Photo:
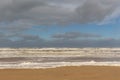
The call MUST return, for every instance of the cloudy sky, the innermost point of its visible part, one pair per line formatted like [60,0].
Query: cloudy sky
[59,23]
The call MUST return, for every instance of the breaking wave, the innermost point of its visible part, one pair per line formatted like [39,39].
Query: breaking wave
[33,65]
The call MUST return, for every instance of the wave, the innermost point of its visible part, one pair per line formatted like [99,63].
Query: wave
[56,61]
[33,65]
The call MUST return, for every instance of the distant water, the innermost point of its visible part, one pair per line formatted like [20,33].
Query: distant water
[56,61]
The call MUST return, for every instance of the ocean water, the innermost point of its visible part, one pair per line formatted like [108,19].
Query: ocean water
[55,61]
[51,58]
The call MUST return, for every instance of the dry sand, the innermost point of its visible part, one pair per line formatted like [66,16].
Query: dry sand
[62,73]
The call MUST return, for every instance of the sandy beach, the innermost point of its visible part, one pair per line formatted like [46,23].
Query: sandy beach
[62,73]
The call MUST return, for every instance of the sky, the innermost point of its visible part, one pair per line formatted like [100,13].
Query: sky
[59,23]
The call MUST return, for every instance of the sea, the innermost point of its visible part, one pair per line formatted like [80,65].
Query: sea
[35,60]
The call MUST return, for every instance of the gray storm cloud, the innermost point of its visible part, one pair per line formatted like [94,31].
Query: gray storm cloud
[93,11]
[57,11]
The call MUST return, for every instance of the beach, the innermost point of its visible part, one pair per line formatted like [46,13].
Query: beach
[63,73]
[60,64]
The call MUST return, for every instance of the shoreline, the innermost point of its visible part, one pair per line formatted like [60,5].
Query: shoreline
[29,65]
[57,67]
[63,73]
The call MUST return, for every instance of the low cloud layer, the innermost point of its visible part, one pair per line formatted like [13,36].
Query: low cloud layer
[69,39]
[74,35]
[41,43]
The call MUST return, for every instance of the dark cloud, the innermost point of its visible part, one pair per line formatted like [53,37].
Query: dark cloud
[21,40]
[93,11]
[37,11]
[74,35]
[15,8]
[29,37]
[73,40]
[57,12]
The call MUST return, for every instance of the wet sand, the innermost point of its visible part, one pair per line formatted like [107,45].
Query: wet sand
[62,73]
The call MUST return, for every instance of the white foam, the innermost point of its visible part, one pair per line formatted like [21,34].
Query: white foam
[31,65]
